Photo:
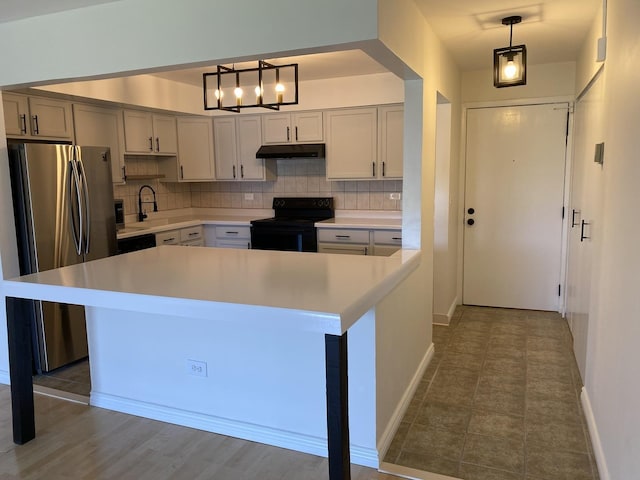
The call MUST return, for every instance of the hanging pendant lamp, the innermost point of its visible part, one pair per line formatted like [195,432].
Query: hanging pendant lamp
[510,63]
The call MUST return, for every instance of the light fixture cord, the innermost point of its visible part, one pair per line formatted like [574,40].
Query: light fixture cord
[510,35]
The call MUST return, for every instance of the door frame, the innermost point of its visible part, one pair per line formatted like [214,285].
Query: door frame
[567,182]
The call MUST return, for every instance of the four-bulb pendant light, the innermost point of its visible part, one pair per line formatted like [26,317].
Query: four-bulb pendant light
[272,85]
[510,63]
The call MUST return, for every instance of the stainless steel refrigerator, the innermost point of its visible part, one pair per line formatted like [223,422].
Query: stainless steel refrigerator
[64,211]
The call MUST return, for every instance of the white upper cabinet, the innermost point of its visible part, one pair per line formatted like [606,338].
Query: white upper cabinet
[390,139]
[195,149]
[352,145]
[236,140]
[299,127]
[149,133]
[37,117]
[102,127]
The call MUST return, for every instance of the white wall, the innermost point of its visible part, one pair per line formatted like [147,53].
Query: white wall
[548,80]
[611,387]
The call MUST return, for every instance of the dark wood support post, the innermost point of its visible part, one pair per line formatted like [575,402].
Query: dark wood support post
[337,407]
[20,371]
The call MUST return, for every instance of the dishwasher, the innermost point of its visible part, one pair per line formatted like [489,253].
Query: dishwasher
[139,242]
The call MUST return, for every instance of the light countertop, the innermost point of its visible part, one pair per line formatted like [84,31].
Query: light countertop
[310,291]
[164,224]
[362,222]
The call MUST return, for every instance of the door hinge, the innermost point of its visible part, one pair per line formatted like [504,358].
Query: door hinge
[559,290]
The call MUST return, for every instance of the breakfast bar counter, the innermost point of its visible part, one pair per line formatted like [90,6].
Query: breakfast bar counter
[259,318]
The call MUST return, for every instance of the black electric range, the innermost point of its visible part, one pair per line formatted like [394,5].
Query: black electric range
[293,226]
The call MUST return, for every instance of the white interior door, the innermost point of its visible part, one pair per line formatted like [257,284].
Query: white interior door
[515,164]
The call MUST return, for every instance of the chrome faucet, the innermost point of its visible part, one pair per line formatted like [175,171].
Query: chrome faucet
[141,214]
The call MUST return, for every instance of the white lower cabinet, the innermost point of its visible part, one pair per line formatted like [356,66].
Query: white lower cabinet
[189,236]
[347,241]
[228,236]
[359,241]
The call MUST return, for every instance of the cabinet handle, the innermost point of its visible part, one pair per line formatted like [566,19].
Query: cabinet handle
[383,172]
[193,234]
[231,233]
[23,119]
[36,128]
[181,172]
[234,171]
[151,144]
[573,217]
[288,137]
[124,173]
[157,144]
[343,236]
[396,238]
[583,237]
[366,250]
[373,169]
[172,239]
[296,134]
[241,171]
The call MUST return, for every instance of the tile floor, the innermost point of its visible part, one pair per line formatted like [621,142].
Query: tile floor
[72,378]
[499,401]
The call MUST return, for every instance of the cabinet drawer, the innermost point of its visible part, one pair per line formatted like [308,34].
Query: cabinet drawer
[238,244]
[387,237]
[194,243]
[343,249]
[170,237]
[233,231]
[343,235]
[191,233]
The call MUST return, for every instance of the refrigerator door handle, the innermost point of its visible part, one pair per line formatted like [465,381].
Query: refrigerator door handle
[73,185]
[85,212]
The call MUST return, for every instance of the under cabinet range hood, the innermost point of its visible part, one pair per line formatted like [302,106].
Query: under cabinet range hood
[300,150]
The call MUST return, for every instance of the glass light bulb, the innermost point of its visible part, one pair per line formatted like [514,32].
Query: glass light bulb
[258,91]
[219,94]
[279,92]
[279,88]
[510,70]
[237,92]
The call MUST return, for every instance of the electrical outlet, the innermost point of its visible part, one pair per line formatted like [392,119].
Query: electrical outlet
[248,196]
[197,368]
[395,196]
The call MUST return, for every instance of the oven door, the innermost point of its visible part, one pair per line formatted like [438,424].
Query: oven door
[294,239]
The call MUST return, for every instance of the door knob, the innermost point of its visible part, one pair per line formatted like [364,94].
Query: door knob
[471,211]
[471,221]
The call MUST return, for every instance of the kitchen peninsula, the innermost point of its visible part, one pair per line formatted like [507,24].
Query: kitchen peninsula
[255,323]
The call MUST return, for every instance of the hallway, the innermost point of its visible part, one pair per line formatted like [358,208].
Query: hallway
[500,400]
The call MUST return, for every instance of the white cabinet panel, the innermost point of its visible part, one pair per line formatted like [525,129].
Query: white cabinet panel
[391,132]
[301,127]
[16,113]
[276,128]
[249,140]
[165,134]
[351,149]
[149,133]
[103,127]
[37,117]
[195,149]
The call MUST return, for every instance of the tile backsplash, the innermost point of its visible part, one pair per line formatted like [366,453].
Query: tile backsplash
[298,177]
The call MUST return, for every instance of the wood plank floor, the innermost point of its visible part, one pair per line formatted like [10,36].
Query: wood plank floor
[80,442]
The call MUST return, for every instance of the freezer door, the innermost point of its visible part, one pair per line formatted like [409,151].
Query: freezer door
[101,221]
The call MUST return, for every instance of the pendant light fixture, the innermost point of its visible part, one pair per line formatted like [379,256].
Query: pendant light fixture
[267,86]
[510,63]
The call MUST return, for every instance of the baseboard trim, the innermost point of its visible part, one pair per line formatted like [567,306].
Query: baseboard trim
[442,319]
[411,473]
[4,377]
[401,408]
[367,457]
[595,436]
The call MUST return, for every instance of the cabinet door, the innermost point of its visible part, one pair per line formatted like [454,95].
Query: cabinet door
[276,128]
[249,140]
[195,148]
[308,127]
[165,135]
[138,132]
[351,148]
[391,123]
[102,127]
[50,119]
[224,135]
[15,115]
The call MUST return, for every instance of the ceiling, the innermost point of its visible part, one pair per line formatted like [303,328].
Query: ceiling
[553,31]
